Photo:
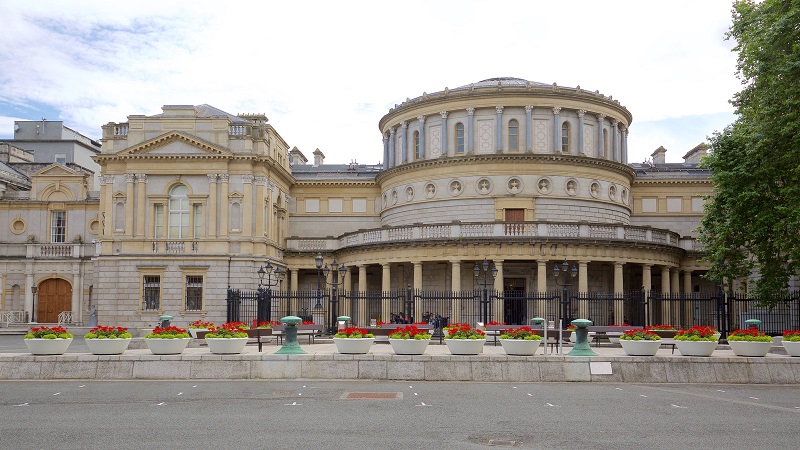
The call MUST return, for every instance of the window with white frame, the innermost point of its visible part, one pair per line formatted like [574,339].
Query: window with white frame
[198,220]
[460,138]
[179,212]
[513,135]
[565,137]
[58,226]
[158,216]
[194,292]
[151,292]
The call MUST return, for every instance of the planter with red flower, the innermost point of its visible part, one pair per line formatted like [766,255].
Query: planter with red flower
[409,340]
[167,341]
[48,341]
[696,341]
[461,339]
[791,342]
[664,331]
[749,342]
[640,342]
[104,340]
[199,325]
[353,340]
[520,341]
[228,338]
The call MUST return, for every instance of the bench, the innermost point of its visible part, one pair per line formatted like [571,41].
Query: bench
[308,330]
[553,337]
[604,332]
[261,335]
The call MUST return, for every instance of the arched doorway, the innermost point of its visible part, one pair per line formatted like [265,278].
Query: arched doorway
[54,296]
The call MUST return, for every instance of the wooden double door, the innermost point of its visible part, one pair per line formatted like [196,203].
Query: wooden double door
[54,296]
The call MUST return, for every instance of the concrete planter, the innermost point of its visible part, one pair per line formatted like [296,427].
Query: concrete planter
[465,346]
[107,346]
[353,346]
[226,346]
[167,346]
[696,348]
[792,348]
[409,346]
[39,346]
[520,347]
[640,348]
[750,348]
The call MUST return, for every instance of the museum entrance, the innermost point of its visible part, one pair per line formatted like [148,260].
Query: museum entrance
[514,310]
[54,296]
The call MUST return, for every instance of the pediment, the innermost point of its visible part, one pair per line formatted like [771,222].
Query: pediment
[56,170]
[175,143]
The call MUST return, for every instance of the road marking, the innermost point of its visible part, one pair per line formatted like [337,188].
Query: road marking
[299,393]
[180,393]
[23,404]
[160,404]
[83,385]
[422,404]
[530,395]
[720,390]
[754,398]
[642,395]
[410,387]
[550,404]
[194,386]
[676,406]
[513,387]
[415,393]
[59,393]
[293,404]
[619,389]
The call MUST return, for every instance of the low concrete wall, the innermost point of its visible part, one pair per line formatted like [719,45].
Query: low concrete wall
[669,369]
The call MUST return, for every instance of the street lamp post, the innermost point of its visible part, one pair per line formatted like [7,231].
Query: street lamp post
[565,269]
[264,313]
[482,273]
[338,280]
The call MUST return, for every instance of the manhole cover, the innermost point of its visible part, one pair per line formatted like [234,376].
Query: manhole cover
[501,442]
[373,395]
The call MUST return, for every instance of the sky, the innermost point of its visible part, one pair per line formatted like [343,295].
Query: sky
[325,72]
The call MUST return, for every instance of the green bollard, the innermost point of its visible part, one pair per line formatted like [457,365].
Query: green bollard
[752,323]
[582,347]
[290,344]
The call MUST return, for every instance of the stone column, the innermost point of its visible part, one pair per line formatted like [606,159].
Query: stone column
[499,306]
[385,151]
[619,305]
[261,183]
[581,143]
[107,203]
[445,148]
[77,287]
[141,196]
[625,146]
[345,308]
[675,283]
[363,320]
[386,286]
[614,146]
[647,286]
[391,148]
[666,312]
[687,281]
[212,206]
[556,130]
[470,137]
[601,151]
[404,142]
[455,286]
[27,290]
[529,128]
[583,286]
[247,206]
[418,311]
[129,180]
[541,287]
[421,130]
[499,128]
[665,280]
[224,203]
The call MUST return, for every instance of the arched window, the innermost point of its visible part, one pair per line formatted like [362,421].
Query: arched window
[416,145]
[565,137]
[605,144]
[460,138]
[179,212]
[513,135]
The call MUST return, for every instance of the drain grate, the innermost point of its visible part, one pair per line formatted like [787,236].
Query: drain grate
[372,396]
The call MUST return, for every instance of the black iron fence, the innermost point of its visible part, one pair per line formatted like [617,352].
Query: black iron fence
[681,310]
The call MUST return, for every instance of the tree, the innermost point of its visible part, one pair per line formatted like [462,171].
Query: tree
[752,222]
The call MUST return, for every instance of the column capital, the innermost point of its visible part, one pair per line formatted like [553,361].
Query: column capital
[498,109]
[581,112]
[247,179]
[470,111]
[614,122]
[404,125]
[212,177]
[443,114]
[528,108]
[556,110]
[141,177]
[600,117]
[421,119]
[261,181]
[223,177]
[130,177]
[106,179]
[391,132]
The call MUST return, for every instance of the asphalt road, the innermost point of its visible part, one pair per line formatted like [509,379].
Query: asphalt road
[396,415]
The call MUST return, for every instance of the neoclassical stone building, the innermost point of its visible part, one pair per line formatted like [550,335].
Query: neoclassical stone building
[521,174]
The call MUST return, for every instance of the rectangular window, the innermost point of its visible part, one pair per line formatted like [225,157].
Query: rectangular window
[359,205]
[61,158]
[698,204]
[158,213]
[312,205]
[460,138]
[151,300]
[198,221]
[674,204]
[194,293]
[58,226]
[335,205]
[649,205]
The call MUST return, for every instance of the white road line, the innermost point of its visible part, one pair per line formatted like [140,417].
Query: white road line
[59,393]
[619,389]
[180,393]
[83,385]
[754,398]
[513,387]
[23,404]
[415,393]
[550,404]
[530,395]
[194,386]
[422,404]
[293,404]
[160,404]
[676,406]
[720,390]
[642,395]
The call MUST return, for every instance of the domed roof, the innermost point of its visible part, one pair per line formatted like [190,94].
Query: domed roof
[503,82]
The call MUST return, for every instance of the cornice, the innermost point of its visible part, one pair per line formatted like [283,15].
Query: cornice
[361,183]
[619,168]
[706,181]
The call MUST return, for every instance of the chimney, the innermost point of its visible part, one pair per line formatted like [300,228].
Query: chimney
[319,157]
[696,154]
[296,157]
[659,155]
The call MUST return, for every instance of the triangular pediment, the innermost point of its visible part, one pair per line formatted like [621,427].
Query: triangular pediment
[56,170]
[175,143]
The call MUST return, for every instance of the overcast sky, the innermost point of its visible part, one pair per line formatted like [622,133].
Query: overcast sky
[325,72]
